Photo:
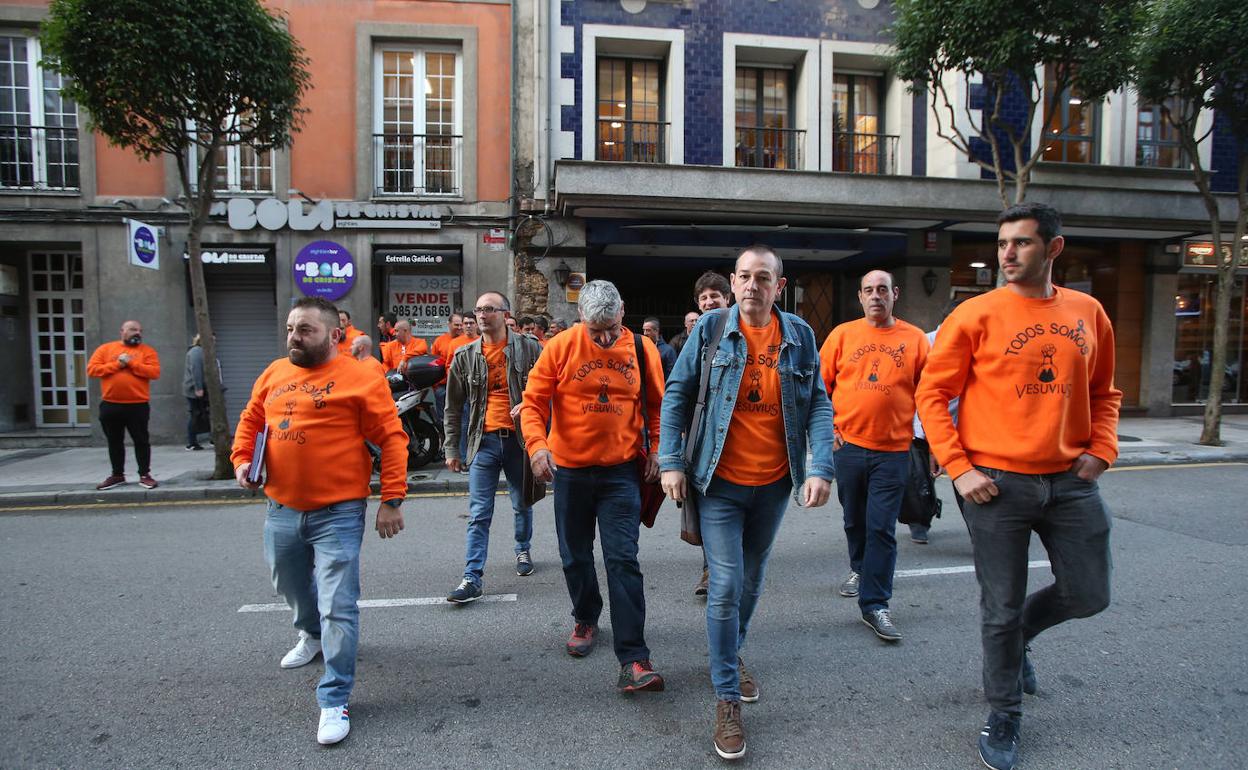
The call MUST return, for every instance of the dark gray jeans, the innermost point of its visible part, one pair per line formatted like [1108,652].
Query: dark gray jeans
[1073,524]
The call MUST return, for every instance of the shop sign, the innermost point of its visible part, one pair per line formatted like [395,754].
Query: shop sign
[427,259]
[426,300]
[230,255]
[1199,254]
[142,245]
[274,214]
[495,238]
[324,269]
[572,289]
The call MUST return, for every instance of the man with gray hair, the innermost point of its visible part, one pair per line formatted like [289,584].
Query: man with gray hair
[602,405]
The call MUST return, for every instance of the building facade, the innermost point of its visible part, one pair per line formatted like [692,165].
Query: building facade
[655,138]
[393,197]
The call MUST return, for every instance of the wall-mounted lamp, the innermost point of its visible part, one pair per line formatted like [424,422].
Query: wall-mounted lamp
[929,282]
[561,274]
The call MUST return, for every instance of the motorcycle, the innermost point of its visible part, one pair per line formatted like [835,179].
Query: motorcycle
[412,390]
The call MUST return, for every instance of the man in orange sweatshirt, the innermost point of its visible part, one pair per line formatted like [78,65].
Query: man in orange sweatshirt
[587,386]
[316,409]
[871,368]
[1037,425]
[403,348]
[126,369]
[349,333]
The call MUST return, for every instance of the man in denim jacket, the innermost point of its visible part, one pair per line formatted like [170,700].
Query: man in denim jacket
[764,400]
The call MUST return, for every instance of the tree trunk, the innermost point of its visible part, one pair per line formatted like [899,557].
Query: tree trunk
[1211,433]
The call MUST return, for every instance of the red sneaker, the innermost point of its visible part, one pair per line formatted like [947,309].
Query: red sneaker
[110,482]
[147,482]
[639,676]
[582,640]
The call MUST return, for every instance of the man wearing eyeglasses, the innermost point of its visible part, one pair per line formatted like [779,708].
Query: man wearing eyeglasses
[485,383]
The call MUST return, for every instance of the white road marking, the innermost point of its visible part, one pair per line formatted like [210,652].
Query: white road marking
[409,602]
[954,570]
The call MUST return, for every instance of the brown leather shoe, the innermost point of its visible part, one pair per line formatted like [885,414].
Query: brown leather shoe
[747,685]
[111,481]
[581,643]
[703,583]
[729,731]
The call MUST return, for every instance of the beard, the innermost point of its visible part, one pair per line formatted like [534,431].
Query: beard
[310,357]
[133,340]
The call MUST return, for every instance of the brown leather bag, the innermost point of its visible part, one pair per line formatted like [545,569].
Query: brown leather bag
[652,495]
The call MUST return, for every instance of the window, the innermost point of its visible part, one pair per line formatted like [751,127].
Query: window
[1156,140]
[858,146]
[1193,341]
[240,168]
[417,121]
[630,111]
[765,137]
[38,126]
[1070,136]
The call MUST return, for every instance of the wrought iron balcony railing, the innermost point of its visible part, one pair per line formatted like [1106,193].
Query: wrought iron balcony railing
[633,141]
[859,153]
[760,147]
[418,164]
[38,158]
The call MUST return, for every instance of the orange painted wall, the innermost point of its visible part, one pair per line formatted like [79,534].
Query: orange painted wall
[323,154]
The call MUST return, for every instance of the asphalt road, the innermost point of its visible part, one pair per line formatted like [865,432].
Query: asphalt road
[125,647]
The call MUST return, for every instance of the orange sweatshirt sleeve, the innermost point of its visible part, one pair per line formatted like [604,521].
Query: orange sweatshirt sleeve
[102,362]
[943,379]
[146,364]
[422,347]
[535,415]
[380,424]
[654,391]
[250,421]
[1104,398]
[829,353]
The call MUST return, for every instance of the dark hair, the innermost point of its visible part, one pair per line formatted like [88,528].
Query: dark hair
[328,312]
[542,323]
[711,280]
[1048,221]
[762,248]
[345,312]
[525,320]
[650,319]
[391,318]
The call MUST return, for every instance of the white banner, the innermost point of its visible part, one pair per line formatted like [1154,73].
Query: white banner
[425,300]
[142,244]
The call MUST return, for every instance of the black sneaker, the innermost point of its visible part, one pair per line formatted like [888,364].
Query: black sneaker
[998,741]
[194,448]
[524,564]
[1029,673]
[468,591]
[881,622]
[918,534]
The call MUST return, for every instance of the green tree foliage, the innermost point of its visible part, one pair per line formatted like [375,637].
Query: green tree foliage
[175,77]
[1191,57]
[1009,43]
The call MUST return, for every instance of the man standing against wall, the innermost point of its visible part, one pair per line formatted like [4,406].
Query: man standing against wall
[588,388]
[1037,426]
[349,333]
[486,381]
[125,369]
[871,368]
[317,409]
[678,342]
[650,327]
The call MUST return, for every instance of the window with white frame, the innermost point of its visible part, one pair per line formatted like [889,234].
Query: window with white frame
[38,125]
[417,120]
[241,168]
[765,133]
[1071,135]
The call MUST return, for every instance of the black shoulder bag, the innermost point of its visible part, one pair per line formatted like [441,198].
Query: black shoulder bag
[690,524]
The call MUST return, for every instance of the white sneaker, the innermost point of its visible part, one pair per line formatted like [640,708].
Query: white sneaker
[335,724]
[302,653]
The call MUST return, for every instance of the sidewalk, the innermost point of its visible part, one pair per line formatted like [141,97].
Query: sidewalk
[66,477]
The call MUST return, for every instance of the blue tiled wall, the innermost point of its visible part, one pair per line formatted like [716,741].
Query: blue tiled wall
[1225,156]
[704,23]
[1014,111]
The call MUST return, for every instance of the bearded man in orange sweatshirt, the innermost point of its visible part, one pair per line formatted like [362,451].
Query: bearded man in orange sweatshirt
[1037,425]
[126,369]
[317,409]
[588,386]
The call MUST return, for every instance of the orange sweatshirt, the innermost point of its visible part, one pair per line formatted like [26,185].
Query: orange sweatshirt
[130,384]
[373,365]
[318,420]
[871,375]
[395,353]
[1036,378]
[348,336]
[590,395]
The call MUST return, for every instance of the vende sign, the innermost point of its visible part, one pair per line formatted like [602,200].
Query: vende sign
[425,300]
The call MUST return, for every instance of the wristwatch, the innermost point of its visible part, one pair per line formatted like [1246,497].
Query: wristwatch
[394,503]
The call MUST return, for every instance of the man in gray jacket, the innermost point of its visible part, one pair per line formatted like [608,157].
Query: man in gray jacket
[486,382]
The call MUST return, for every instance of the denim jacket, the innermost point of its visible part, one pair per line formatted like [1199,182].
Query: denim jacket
[466,388]
[804,403]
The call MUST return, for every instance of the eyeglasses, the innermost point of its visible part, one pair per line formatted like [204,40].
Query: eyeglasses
[488,309]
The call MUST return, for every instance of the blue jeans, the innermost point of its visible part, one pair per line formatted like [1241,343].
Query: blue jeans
[870,485]
[608,495]
[496,453]
[314,557]
[739,524]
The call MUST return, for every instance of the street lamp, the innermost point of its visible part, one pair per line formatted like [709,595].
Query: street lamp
[561,274]
[929,282]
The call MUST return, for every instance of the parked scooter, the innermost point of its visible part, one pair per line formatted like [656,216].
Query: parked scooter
[412,390]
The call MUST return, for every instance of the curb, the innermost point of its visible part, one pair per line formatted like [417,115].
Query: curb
[1193,454]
